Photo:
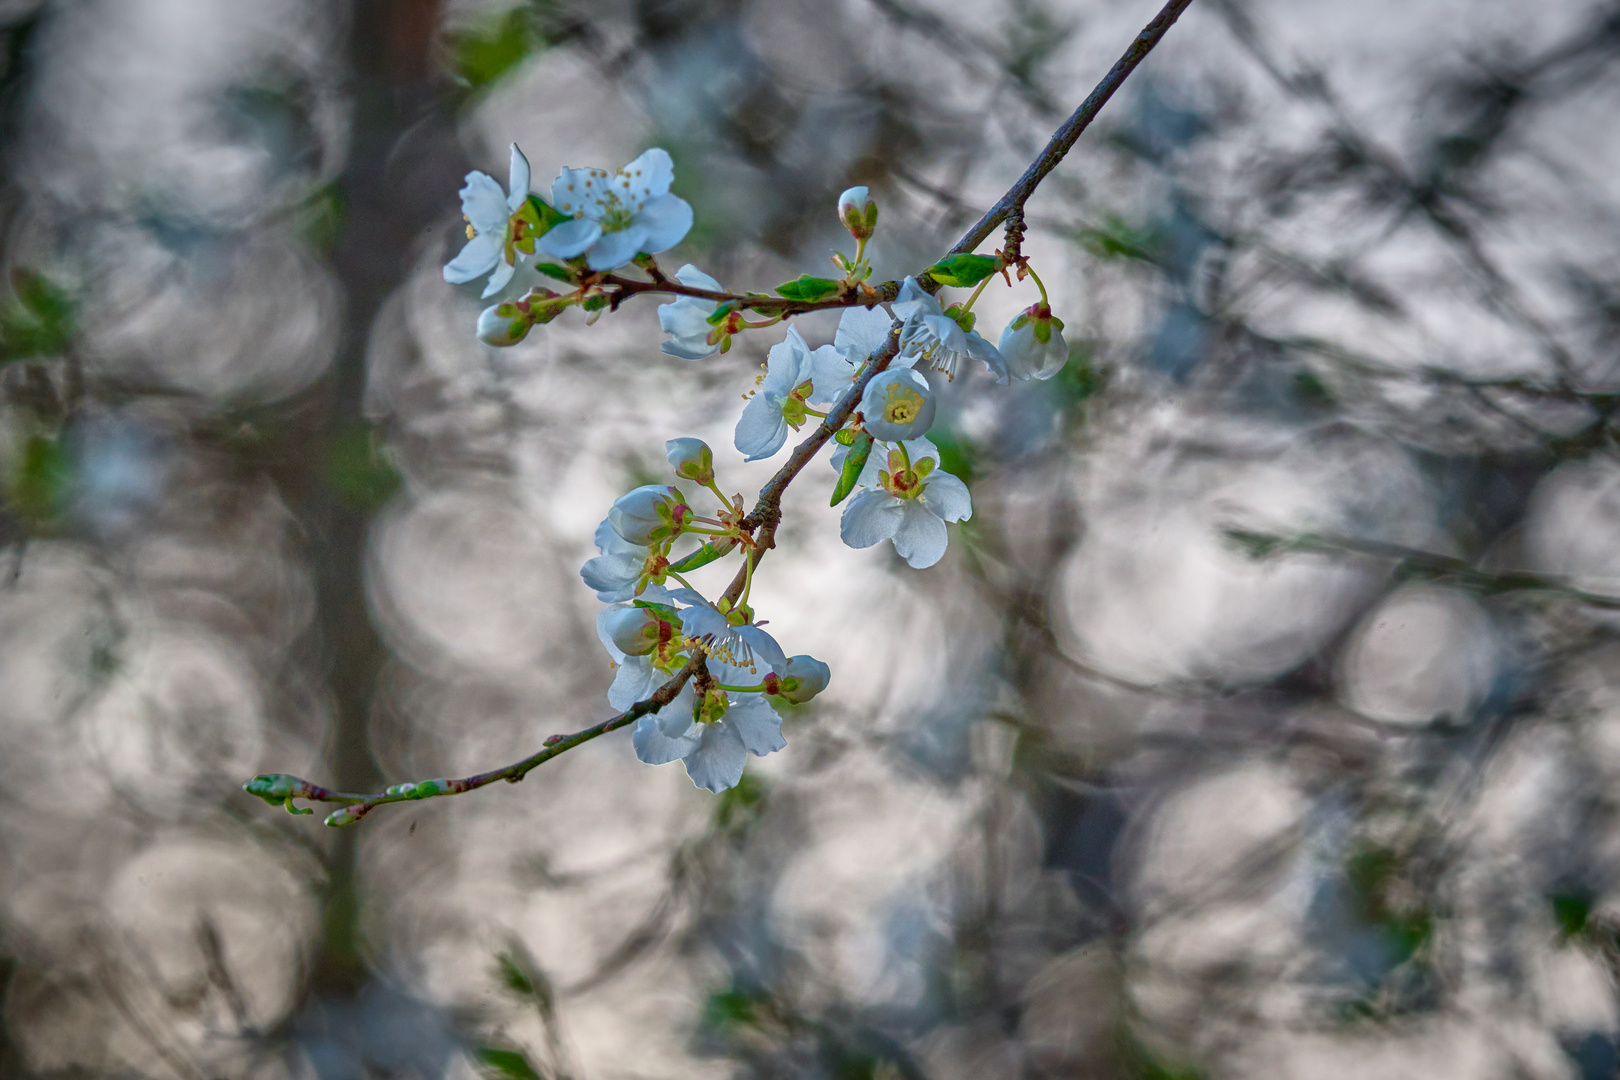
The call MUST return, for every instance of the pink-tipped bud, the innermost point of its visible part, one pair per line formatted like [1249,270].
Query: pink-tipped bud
[858,212]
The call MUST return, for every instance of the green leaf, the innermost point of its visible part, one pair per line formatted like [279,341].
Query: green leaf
[552,270]
[962,271]
[1117,240]
[808,288]
[703,556]
[741,803]
[510,1064]
[1572,911]
[854,462]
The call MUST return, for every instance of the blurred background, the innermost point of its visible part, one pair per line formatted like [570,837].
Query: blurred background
[1263,721]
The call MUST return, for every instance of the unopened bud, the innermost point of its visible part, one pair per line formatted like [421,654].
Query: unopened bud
[804,678]
[858,212]
[691,459]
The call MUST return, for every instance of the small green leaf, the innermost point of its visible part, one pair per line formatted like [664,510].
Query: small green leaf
[552,270]
[507,1064]
[808,288]
[703,556]
[854,462]
[962,271]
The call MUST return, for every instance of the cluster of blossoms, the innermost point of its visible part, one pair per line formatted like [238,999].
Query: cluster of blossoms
[598,222]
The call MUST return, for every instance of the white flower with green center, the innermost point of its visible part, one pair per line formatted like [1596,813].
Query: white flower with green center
[1033,345]
[932,336]
[780,402]
[617,215]
[501,226]
[897,405]
[904,497]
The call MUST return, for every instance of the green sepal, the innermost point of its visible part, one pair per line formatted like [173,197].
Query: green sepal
[854,462]
[703,556]
[542,215]
[594,303]
[552,270]
[808,288]
[846,436]
[1043,331]
[720,314]
[963,271]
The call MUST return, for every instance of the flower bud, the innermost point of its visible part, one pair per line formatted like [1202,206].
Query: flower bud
[647,514]
[858,212]
[897,405]
[634,630]
[691,459]
[509,323]
[804,678]
[1033,345]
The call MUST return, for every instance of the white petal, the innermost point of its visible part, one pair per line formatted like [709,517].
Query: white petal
[921,538]
[765,648]
[636,680]
[980,349]
[667,219]
[614,576]
[656,748]
[476,258]
[704,621]
[761,431]
[717,763]
[947,496]
[497,281]
[614,249]
[602,634]
[645,178]
[757,724]
[580,192]
[517,179]
[693,278]
[484,204]
[870,516]
[831,375]
[862,332]
[680,349]
[567,239]
[1019,348]
[913,301]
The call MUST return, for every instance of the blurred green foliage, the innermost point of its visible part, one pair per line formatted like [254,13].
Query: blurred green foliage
[359,469]
[740,806]
[490,48]
[39,486]
[505,1064]
[36,319]
[1117,239]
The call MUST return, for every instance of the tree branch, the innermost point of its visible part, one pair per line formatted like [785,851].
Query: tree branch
[281,789]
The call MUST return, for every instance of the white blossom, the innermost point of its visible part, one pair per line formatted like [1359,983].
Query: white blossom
[897,404]
[933,336]
[1033,345]
[779,403]
[686,320]
[499,227]
[861,332]
[619,214]
[908,504]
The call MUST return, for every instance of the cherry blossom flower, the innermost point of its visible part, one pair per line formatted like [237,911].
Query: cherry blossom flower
[904,497]
[931,335]
[1033,345]
[618,214]
[501,227]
